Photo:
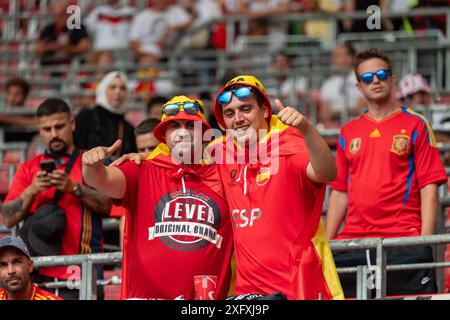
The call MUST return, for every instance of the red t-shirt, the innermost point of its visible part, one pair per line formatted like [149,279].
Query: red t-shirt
[275,212]
[382,165]
[36,294]
[83,229]
[174,233]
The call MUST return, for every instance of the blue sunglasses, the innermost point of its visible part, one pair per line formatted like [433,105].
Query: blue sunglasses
[240,93]
[381,74]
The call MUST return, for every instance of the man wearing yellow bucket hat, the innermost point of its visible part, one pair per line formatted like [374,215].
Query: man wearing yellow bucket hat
[178,224]
[280,242]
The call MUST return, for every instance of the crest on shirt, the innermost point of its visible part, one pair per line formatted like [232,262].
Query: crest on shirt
[186,221]
[355,145]
[232,181]
[263,176]
[400,144]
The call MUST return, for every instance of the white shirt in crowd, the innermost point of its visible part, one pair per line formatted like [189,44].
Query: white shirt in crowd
[333,92]
[149,26]
[206,10]
[109,26]
[299,84]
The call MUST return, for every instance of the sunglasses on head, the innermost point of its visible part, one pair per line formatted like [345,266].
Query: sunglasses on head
[381,74]
[189,107]
[240,93]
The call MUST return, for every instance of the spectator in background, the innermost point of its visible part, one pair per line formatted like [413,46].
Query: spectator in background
[15,273]
[338,93]
[152,29]
[431,22]
[103,59]
[201,12]
[360,25]
[150,79]
[154,107]
[286,86]
[276,31]
[319,28]
[109,25]
[145,140]
[79,230]
[414,91]
[17,128]
[396,148]
[17,90]
[57,44]
[105,123]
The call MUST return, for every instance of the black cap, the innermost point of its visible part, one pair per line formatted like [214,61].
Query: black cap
[16,243]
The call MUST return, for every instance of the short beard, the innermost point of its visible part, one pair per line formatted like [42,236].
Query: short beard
[16,288]
[59,152]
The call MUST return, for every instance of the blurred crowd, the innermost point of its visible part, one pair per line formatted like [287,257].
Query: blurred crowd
[114,29]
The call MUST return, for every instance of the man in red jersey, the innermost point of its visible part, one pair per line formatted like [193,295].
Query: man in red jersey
[15,269]
[275,200]
[389,170]
[178,225]
[32,187]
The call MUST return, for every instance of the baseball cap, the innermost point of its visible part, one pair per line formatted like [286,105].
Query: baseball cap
[245,80]
[160,130]
[16,243]
[413,83]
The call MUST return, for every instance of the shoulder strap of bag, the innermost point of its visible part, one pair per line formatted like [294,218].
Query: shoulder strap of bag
[69,166]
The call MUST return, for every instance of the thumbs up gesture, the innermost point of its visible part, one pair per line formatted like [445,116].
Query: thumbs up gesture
[97,155]
[290,116]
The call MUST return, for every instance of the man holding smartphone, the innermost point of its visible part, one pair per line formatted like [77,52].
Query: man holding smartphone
[36,182]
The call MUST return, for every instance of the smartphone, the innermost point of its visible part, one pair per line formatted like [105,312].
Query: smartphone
[48,165]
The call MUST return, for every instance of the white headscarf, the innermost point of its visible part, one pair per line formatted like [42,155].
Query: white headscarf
[100,92]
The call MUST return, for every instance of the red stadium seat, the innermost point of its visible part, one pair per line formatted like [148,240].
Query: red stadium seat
[112,291]
[11,157]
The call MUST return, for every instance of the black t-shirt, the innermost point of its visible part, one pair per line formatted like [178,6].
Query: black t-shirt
[51,34]
[100,127]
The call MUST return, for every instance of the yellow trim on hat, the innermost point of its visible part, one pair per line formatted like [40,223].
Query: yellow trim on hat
[247,79]
[181,100]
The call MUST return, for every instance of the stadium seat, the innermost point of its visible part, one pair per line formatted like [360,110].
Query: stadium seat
[112,290]
[11,157]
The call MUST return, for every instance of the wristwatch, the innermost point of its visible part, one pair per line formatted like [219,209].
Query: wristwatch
[76,191]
